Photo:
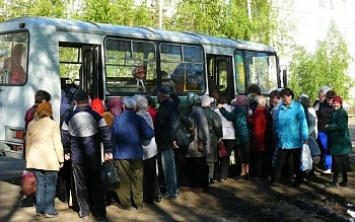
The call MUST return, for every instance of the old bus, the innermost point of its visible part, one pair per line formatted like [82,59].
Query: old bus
[110,60]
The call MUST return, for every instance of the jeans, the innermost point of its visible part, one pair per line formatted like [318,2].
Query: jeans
[169,169]
[45,191]
[323,137]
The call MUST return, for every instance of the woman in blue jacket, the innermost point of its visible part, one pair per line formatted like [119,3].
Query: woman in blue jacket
[292,131]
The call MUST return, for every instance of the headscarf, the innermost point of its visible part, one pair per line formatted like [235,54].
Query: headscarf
[115,105]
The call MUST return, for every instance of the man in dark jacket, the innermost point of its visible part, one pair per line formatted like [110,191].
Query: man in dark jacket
[166,124]
[84,130]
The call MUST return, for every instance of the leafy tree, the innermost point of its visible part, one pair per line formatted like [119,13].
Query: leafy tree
[326,66]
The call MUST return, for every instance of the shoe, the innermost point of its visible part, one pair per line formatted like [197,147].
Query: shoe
[169,197]
[333,185]
[198,190]
[40,214]
[125,207]
[275,184]
[351,212]
[344,184]
[101,218]
[85,218]
[329,171]
[139,208]
[51,215]
[157,199]
[221,180]
[185,188]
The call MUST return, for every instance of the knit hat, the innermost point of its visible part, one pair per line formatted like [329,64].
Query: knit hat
[205,101]
[115,105]
[44,109]
[80,95]
[338,99]
[96,105]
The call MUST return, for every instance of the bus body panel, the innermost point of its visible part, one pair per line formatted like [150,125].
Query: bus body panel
[48,35]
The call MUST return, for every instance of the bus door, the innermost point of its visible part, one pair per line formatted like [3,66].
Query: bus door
[220,76]
[91,71]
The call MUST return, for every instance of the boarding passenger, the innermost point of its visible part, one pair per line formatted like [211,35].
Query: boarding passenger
[45,156]
[215,134]
[84,130]
[292,133]
[129,130]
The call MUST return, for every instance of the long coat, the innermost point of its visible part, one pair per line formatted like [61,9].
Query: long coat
[239,116]
[339,141]
[198,117]
[261,124]
[215,133]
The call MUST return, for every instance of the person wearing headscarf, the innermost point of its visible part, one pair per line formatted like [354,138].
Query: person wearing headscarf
[151,188]
[262,141]
[339,143]
[222,167]
[194,170]
[44,152]
[215,134]
[239,116]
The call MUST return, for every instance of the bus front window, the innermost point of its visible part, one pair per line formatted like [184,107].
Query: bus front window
[13,58]
[261,69]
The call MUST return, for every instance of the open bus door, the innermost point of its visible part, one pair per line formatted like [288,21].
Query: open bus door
[91,71]
[220,71]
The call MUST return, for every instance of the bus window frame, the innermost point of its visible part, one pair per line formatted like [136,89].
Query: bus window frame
[128,62]
[182,87]
[26,57]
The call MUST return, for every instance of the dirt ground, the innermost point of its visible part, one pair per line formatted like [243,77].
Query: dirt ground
[232,200]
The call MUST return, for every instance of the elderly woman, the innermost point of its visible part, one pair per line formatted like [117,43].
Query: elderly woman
[128,131]
[242,133]
[292,133]
[151,189]
[339,142]
[44,152]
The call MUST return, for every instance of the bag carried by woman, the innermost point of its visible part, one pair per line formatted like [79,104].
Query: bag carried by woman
[28,183]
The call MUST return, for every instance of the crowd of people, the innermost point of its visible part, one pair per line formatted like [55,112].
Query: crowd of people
[140,138]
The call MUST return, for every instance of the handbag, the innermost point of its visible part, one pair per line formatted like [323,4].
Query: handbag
[222,150]
[28,183]
[110,176]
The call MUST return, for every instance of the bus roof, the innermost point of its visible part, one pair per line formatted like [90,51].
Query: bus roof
[211,44]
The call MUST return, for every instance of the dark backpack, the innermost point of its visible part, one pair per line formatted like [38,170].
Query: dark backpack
[185,132]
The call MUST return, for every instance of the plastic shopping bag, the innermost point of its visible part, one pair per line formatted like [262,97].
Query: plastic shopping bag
[306,159]
[28,183]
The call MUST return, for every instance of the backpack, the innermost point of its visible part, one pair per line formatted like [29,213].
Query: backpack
[185,132]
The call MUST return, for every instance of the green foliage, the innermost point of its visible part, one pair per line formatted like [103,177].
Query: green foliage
[325,67]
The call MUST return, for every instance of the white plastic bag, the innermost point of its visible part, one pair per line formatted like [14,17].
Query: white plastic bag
[306,159]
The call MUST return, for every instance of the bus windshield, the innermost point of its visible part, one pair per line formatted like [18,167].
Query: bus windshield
[254,67]
[13,58]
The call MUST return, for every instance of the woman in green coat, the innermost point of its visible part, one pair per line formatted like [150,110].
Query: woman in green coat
[339,143]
